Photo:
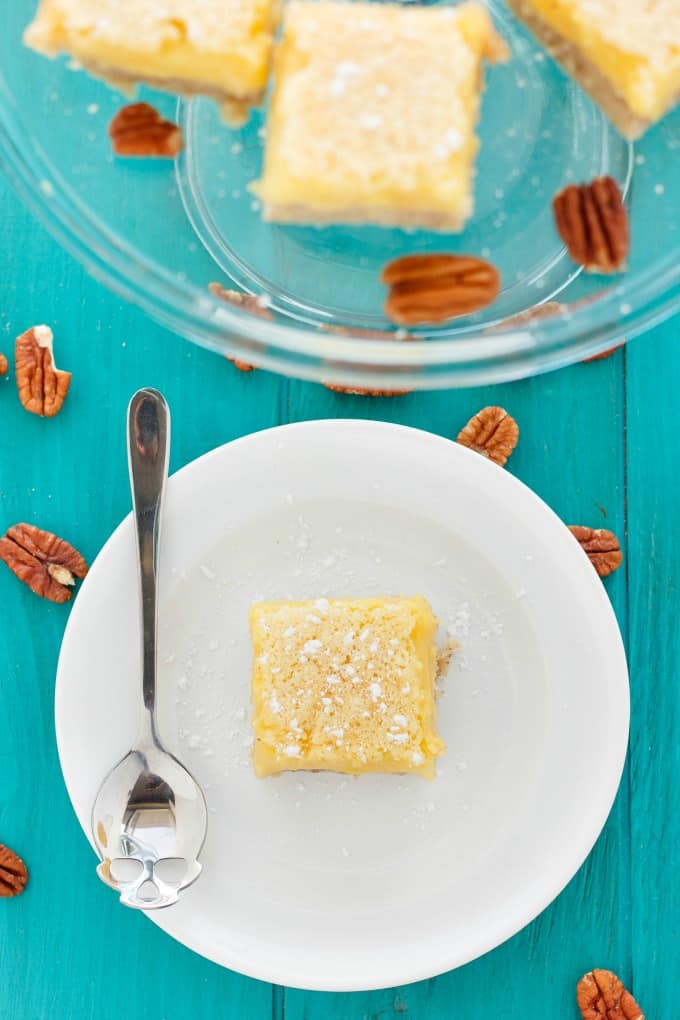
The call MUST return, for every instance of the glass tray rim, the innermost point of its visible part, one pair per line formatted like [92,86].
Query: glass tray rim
[471,358]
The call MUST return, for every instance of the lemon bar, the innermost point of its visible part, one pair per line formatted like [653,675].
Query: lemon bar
[344,685]
[624,53]
[373,114]
[219,48]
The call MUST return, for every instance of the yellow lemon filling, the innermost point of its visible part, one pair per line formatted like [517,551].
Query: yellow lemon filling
[634,44]
[345,685]
[218,47]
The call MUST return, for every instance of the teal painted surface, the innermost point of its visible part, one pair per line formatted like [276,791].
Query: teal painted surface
[598,443]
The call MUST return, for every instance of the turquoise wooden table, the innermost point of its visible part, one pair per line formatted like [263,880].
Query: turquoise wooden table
[598,442]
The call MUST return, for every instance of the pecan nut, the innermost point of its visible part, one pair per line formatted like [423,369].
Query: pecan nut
[4,365]
[359,392]
[13,873]
[242,366]
[547,310]
[42,387]
[492,432]
[592,221]
[600,995]
[365,334]
[434,288]
[140,130]
[601,546]
[604,354]
[249,303]
[361,333]
[47,564]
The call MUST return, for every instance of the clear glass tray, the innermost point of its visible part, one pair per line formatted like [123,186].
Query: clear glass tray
[159,234]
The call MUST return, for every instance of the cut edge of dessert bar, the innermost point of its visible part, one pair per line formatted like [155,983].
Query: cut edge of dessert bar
[586,73]
[235,109]
[411,219]
[333,691]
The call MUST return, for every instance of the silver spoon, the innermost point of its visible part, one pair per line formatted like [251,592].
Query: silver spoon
[149,818]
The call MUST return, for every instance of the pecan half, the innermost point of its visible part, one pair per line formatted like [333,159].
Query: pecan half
[250,303]
[4,365]
[492,432]
[434,288]
[601,546]
[600,995]
[42,387]
[139,130]
[13,873]
[592,221]
[47,564]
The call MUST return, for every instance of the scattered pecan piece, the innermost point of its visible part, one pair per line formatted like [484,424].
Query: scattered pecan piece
[601,546]
[42,387]
[545,311]
[13,873]
[242,366]
[139,130]
[434,288]
[600,995]
[47,564]
[358,392]
[491,432]
[4,365]
[604,354]
[365,334]
[250,303]
[592,221]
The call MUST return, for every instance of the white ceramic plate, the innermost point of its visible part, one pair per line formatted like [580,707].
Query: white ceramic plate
[324,881]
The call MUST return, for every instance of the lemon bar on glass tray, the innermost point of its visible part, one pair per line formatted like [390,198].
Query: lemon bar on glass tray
[624,53]
[218,48]
[373,114]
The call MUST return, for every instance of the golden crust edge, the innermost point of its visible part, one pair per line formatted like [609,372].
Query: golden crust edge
[293,212]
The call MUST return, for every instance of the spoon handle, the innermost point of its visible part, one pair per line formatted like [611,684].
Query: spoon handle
[148,451]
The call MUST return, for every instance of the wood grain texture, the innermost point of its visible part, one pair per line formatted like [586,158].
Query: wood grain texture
[653,374]
[67,950]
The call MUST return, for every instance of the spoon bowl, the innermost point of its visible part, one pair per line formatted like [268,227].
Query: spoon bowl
[149,823]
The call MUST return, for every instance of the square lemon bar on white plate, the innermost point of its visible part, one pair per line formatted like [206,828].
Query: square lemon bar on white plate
[373,113]
[218,48]
[345,685]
